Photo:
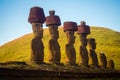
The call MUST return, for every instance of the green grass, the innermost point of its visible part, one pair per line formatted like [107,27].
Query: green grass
[108,41]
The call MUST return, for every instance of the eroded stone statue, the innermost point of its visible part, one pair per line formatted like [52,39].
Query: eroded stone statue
[37,18]
[83,31]
[92,54]
[53,21]
[69,29]
[103,60]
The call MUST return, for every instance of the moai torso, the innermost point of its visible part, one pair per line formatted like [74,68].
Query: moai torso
[83,31]
[92,54]
[69,29]
[37,47]
[53,22]
[37,18]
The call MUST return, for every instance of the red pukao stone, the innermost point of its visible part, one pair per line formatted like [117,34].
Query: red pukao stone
[83,28]
[70,26]
[36,15]
[53,19]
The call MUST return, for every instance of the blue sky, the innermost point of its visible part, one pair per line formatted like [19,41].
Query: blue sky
[14,14]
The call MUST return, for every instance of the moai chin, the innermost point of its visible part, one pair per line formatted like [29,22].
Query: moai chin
[37,18]
[69,29]
[92,54]
[53,21]
[103,60]
[83,31]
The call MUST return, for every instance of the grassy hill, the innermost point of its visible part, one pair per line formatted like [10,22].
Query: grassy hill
[108,41]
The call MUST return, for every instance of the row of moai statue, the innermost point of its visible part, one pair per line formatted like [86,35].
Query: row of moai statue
[37,18]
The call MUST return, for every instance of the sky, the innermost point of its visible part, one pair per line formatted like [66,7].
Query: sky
[14,14]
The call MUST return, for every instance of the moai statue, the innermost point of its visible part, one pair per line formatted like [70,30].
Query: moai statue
[83,31]
[111,64]
[103,60]
[69,29]
[53,21]
[37,18]
[92,54]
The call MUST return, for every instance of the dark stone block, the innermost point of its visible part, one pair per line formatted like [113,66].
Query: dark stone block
[70,26]
[36,15]
[54,49]
[53,20]
[83,28]
[37,48]
[71,54]
[103,60]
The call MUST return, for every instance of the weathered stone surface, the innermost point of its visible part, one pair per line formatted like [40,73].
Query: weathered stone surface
[70,37]
[70,26]
[71,54]
[83,31]
[92,54]
[37,47]
[93,58]
[83,39]
[103,60]
[36,15]
[70,50]
[53,30]
[91,43]
[84,56]
[37,50]
[111,64]
[83,28]
[54,50]
[83,51]
[52,19]
[37,29]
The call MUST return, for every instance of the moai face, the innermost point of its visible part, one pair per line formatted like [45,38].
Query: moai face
[37,29]
[91,43]
[54,32]
[70,36]
[83,39]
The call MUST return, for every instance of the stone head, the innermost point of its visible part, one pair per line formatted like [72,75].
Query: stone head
[54,32]
[37,30]
[91,43]
[70,36]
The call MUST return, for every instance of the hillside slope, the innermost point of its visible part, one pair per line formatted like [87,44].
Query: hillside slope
[108,41]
